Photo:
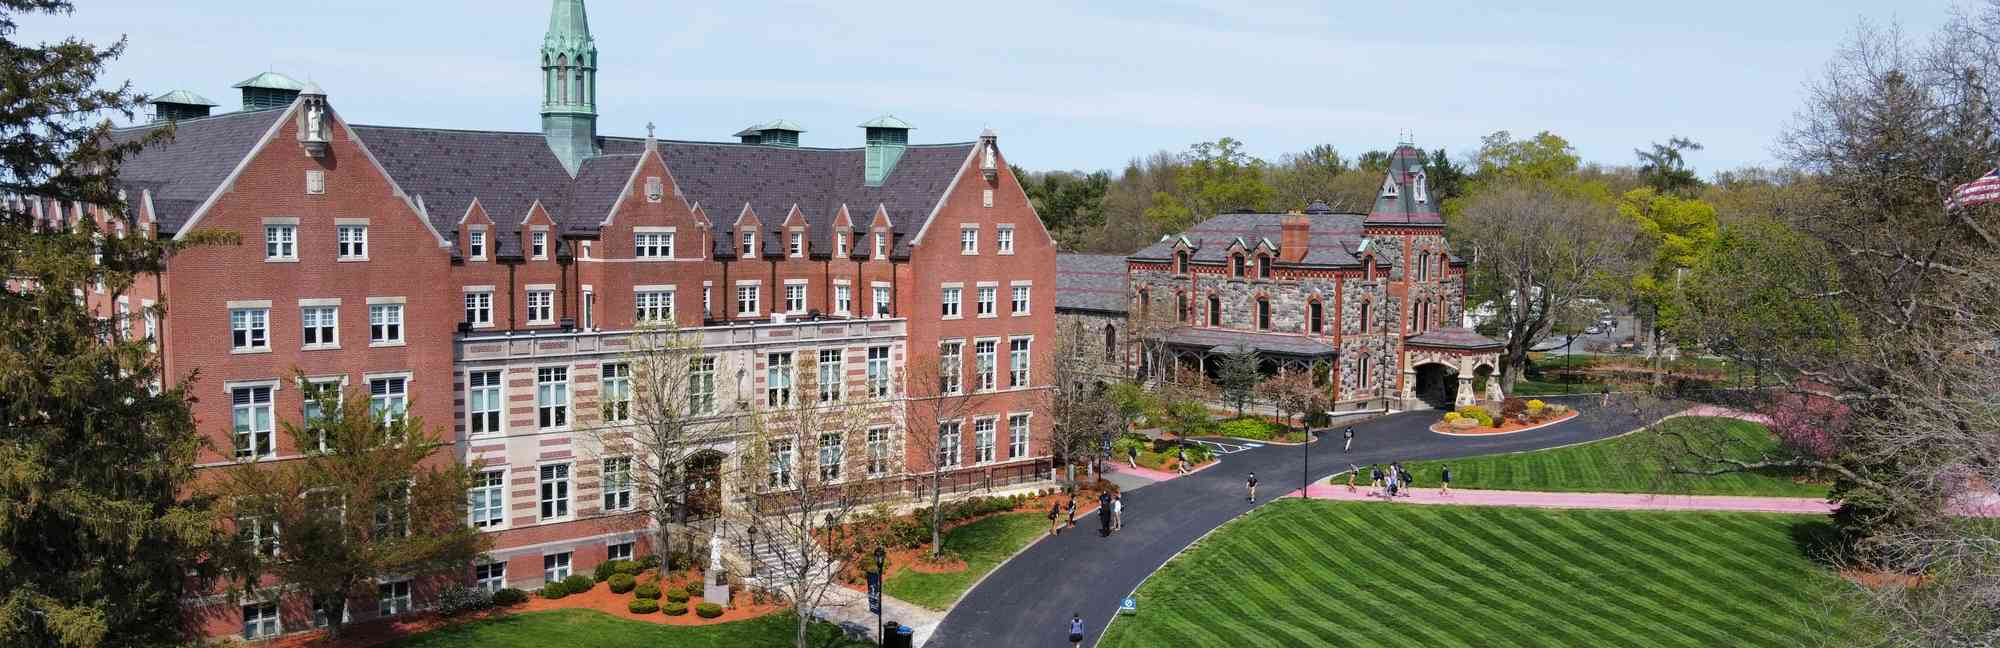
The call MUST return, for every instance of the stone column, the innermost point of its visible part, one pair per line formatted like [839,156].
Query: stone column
[1409,389]
[1493,388]
[1465,394]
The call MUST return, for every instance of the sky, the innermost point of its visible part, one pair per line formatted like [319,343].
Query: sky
[1066,85]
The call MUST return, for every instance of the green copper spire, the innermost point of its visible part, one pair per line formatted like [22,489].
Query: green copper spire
[569,85]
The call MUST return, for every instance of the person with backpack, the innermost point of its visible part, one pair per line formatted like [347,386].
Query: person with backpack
[1390,480]
[1374,479]
[1104,514]
[1055,515]
[1252,483]
[1347,439]
[1407,480]
[1181,454]
[1072,511]
[1075,630]
[1444,481]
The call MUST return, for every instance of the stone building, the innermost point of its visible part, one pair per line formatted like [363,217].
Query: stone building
[490,281]
[1372,301]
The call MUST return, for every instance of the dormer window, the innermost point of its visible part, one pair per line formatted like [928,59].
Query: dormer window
[1417,189]
[1181,262]
[1389,187]
[881,245]
[1263,266]
[798,246]
[1236,267]
[475,246]
[749,245]
[840,244]
[539,245]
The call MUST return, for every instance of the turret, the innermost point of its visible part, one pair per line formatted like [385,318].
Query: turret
[569,85]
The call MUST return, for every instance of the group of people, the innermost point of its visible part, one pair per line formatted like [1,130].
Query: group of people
[1395,480]
[1110,514]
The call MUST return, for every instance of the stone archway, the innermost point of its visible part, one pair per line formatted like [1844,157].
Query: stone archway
[1436,385]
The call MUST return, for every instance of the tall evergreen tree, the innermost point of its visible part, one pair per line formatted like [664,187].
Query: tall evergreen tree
[96,447]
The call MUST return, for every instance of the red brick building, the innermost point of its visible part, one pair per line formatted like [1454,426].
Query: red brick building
[488,281]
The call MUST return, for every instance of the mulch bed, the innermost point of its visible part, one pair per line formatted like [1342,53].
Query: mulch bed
[1504,428]
[917,559]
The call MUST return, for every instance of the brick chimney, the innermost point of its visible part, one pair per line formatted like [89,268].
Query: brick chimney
[1292,242]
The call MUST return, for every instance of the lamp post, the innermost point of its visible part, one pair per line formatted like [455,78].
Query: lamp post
[875,596]
[1305,468]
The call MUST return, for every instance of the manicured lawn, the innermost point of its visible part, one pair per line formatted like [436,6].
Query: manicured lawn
[599,630]
[1528,387]
[982,545]
[1628,464]
[1319,573]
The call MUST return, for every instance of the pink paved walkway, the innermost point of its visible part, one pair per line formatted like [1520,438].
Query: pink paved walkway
[1620,501]
[1148,473]
[1724,412]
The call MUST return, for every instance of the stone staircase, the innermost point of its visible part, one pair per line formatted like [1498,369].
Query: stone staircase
[777,561]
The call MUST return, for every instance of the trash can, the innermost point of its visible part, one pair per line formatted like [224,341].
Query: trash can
[895,635]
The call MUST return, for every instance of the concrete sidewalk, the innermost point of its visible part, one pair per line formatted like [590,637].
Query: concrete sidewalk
[1617,501]
[846,607]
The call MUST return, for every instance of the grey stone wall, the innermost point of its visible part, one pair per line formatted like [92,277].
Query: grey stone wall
[1083,343]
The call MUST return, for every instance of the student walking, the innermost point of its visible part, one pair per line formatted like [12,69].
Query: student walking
[1352,470]
[1347,439]
[1374,479]
[1181,454]
[1055,518]
[1407,480]
[1072,511]
[1104,514]
[1604,395]
[1252,483]
[1390,480]
[1132,455]
[1075,630]
[1118,513]
[1444,481]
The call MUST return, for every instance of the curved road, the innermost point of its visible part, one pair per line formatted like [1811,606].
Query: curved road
[1028,601]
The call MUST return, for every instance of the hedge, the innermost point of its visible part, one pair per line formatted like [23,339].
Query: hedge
[675,609]
[554,590]
[579,583]
[647,591]
[510,596]
[642,606]
[677,596]
[621,583]
[708,610]
[607,568]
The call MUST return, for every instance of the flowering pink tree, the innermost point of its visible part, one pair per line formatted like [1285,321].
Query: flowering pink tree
[1808,423]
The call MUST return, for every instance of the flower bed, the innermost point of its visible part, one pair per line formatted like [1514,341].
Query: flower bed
[1502,426]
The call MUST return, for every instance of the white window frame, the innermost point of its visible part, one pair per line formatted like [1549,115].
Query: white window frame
[797,244]
[479,307]
[653,244]
[556,566]
[747,242]
[485,402]
[795,296]
[322,321]
[393,598]
[984,435]
[968,240]
[619,550]
[832,457]
[843,298]
[749,293]
[309,391]
[832,375]
[615,483]
[615,389]
[883,301]
[1003,238]
[881,245]
[701,384]
[950,445]
[878,450]
[653,304]
[782,464]
[389,403]
[951,367]
[266,623]
[554,488]
[490,577]
[386,321]
[475,243]
[985,364]
[1020,430]
[1020,362]
[351,241]
[951,300]
[552,397]
[538,245]
[840,243]
[486,501]
[250,329]
[541,303]
[986,301]
[281,241]
[261,432]
[1022,295]
[878,371]
[779,378]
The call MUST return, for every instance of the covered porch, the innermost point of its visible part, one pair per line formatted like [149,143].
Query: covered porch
[1200,349]
[1441,367]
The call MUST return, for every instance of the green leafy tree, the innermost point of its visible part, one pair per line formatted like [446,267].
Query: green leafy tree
[98,545]
[376,494]
[1237,374]
[1298,179]
[1544,158]
[1217,177]
[1664,168]
[1446,178]
[1071,204]
[1676,233]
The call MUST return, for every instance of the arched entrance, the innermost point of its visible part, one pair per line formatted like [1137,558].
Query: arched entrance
[1437,385]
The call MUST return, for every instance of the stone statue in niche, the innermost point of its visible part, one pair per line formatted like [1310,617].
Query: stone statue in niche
[315,122]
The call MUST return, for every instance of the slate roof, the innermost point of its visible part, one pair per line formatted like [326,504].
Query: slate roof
[1092,282]
[1332,242]
[1229,340]
[1406,165]
[506,171]
[182,172]
[1456,337]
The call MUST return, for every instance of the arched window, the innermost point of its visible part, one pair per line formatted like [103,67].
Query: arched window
[581,96]
[1441,257]
[1236,267]
[1364,315]
[1181,261]
[1368,268]
[1263,266]
[1263,313]
[562,79]
[1145,305]
[1214,310]
[1182,308]
[1423,266]
[1315,317]
[1362,380]
[1110,343]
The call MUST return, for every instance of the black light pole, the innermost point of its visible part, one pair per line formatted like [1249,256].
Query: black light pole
[881,572]
[1305,469]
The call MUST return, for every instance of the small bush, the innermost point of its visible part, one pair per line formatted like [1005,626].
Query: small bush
[694,587]
[646,591]
[1452,416]
[1249,427]
[621,583]
[627,567]
[675,609]
[677,595]
[509,596]
[708,610]
[578,583]
[454,600]
[679,561]
[606,569]
[649,562]
[642,606]
[1536,404]
[1513,407]
[554,590]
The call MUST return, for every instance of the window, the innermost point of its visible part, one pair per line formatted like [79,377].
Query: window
[653,245]
[488,499]
[747,299]
[321,400]
[352,241]
[541,306]
[654,305]
[878,372]
[617,483]
[490,577]
[843,299]
[1263,267]
[830,457]
[831,374]
[950,300]
[951,360]
[878,451]
[388,397]
[1315,318]
[798,246]
[1110,343]
[392,512]
[479,309]
[321,326]
[251,412]
[483,401]
[1364,317]
[1263,313]
[1214,310]
[538,245]
[780,466]
[617,392]
[968,240]
[1017,362]
[701,384]
[795,298]
[555,495]
[778,379]
[552,397]
[555,567]
[1182,308]
[1003,239]
[984,357]
[476,245]
[1181,261]
[260,621]
[1236,268]
[982,440]
[394,598]
[1017,436]
[707,300]
[281,242]
[947,446]
[987,295]
[385,324]
[260,533]
[1021,300]
[882,301]
[749,245]
[249,329]
[840,244]
[881,245]
[618,551]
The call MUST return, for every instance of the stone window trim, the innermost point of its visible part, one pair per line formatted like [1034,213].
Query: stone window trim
[1003,238]
[343,223]
[484,240]
[1028,443]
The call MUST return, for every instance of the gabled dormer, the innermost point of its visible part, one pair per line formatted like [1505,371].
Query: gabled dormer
[538,234]
[843,234]
[1238,253]
[881,235]
[1263,253]
[747,240]
[798,235]
[1184,250]
[475,234]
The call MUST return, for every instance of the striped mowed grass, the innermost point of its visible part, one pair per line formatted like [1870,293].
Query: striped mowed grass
[1320,573]
[1633,463]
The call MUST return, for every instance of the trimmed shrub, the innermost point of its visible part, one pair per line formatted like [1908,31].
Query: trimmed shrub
[649,562]
[1452,416]
[510,596]
[1536,404]
[621,583]
[677,595]
[606,569]
[627,567]
[642,606]
[708,610]
[454,600]
[554,590]
[646,591]
[579,583]
[1513,407]
[674,609]
[695,588]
